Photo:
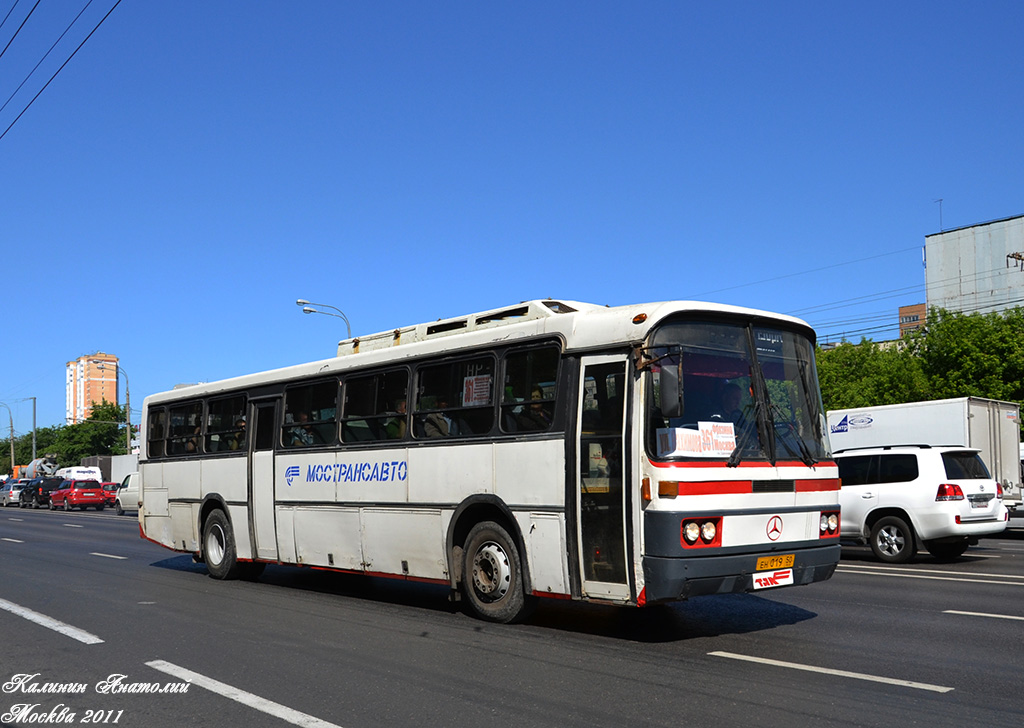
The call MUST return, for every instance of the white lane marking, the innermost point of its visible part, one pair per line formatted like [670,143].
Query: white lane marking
[253,701]
[108,556]
[72,525]
[983,614]
[907,569]
[50,623]
[12,540]
[17,520]
[838,673]
[941,578]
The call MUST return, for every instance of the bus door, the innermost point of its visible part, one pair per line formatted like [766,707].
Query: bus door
[263,424]
[601,495]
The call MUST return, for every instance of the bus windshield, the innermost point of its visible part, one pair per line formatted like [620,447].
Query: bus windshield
[733,391]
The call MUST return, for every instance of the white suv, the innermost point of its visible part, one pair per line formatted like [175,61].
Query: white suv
[897,497]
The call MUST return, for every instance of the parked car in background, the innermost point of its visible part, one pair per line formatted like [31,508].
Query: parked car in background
[128,496]
[36,492]
[110,492]
[897,498]
[78,494]
[10,491]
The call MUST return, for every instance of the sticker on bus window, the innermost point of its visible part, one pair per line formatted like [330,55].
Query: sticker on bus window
[476,391]
[709,440]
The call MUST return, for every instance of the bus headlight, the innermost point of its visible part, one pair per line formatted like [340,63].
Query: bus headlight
[691,531]
[828,524]
[708,531]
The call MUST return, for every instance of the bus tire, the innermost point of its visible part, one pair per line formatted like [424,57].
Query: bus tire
[219,546]
[492,575]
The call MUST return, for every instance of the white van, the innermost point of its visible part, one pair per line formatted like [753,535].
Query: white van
[80,472]
[127,498]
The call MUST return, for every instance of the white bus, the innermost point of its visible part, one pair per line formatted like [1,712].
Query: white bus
[550,449]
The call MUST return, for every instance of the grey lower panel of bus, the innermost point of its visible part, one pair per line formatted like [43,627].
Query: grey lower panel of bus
[670,579]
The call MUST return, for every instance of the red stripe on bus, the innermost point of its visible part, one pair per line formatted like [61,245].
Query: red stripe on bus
[716,487]
[814,486]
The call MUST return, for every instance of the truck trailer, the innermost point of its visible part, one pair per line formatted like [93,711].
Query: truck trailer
[990,425]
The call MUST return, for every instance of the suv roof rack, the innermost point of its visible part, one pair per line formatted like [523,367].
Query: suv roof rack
[887,447]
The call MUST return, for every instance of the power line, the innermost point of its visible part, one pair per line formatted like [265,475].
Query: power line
[19,27]
[2,24]
[844,333]
[60,69]
[45,55]
[805,272]
[893,293]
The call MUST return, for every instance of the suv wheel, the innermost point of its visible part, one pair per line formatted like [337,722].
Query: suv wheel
[892,540]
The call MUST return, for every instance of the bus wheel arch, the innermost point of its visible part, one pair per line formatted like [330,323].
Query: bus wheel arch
[217,545]
[487,561]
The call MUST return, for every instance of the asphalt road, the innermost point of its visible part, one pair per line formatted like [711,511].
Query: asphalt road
[924,644]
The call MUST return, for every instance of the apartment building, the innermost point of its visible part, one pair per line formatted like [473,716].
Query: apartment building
[90,380]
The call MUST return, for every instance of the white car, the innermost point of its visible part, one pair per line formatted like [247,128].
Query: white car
[127,498]
[897,498]
[10,491]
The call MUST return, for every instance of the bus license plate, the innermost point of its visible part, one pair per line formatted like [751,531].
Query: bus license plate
[783,561]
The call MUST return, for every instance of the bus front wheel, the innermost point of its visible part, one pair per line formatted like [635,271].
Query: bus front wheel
[219,547]
[492,575]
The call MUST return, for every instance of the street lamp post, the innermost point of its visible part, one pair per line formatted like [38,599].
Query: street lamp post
[127,408]
[26,399]
[11,415]
[308,308]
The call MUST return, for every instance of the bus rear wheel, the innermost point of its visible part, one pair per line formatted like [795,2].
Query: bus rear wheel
[219,546]
[492,575]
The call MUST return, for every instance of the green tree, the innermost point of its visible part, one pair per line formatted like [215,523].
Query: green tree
[865,374]
[100,434]
[973,355]
[956,355]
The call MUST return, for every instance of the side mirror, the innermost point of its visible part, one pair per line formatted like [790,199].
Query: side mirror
[671,385]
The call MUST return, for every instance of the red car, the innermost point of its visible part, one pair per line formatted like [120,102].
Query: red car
[110,492]
[78,494]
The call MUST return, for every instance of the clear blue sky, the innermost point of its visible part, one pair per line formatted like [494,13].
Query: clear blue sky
[198,166]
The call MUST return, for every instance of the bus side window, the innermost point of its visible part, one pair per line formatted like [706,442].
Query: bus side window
[309,414]
[186,428]
[528,397]
[155,443]
[455,399]
[225,424]
[375,407]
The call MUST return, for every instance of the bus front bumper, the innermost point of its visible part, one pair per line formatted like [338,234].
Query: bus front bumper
[672,579]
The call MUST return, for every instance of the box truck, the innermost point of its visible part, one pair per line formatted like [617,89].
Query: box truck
[991,426]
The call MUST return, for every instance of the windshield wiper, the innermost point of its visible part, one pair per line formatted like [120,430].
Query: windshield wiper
[805,452]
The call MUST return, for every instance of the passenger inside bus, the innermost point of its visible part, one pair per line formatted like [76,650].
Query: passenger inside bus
[395,426]
[237,440]
[538,415]
[302,433]
[729,404]
[439,424]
